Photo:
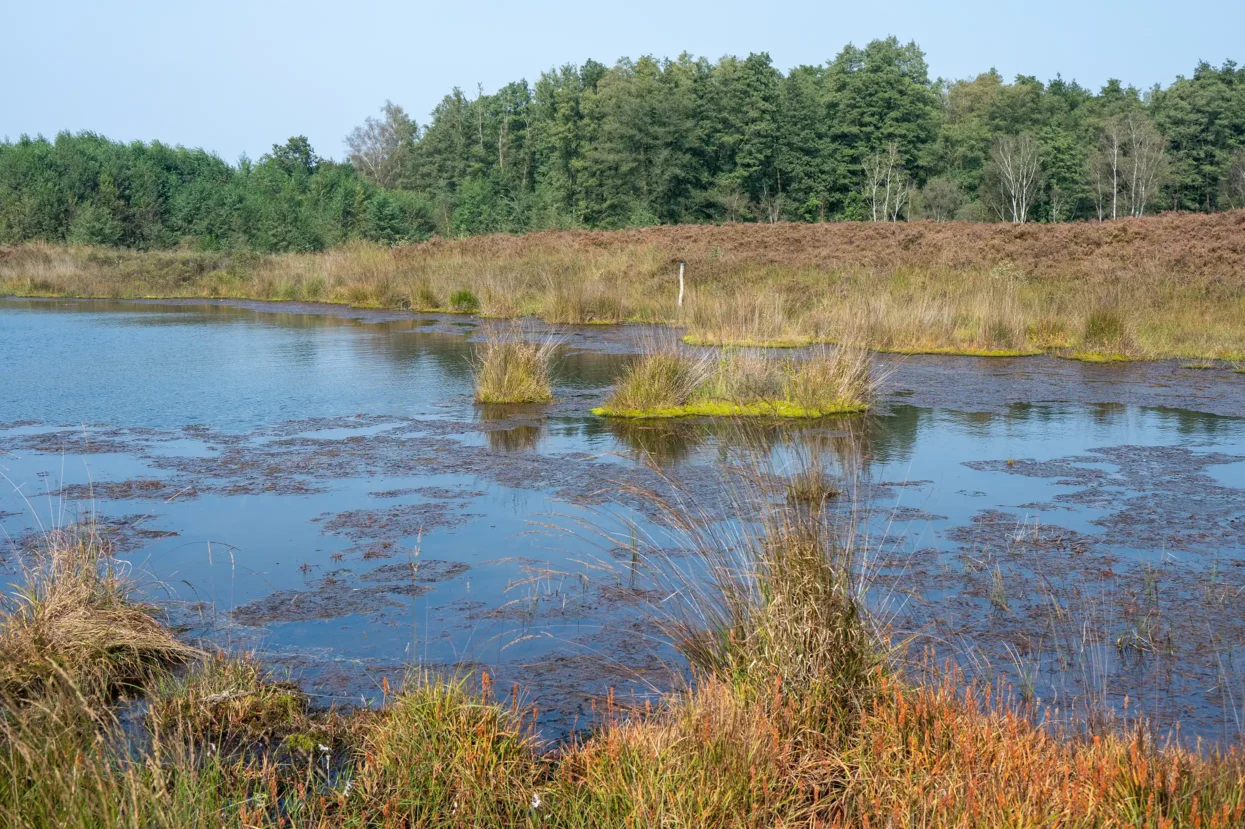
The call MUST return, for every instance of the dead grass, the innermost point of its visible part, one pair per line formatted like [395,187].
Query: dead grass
[986,289]
[72,621]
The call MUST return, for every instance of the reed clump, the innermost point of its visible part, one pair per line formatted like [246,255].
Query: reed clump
[743,383]
[72,620]
[509,369]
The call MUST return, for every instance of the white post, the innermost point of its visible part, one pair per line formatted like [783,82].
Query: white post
[680,284]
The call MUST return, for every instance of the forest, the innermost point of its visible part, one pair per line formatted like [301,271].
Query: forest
[866,136]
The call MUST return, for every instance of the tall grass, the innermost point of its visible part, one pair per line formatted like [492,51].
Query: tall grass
[512,370]
[949,287]
[795,719]
[744,382]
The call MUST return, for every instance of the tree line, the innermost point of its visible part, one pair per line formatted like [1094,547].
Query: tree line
[866,136]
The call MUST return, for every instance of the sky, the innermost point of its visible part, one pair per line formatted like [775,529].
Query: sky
[235,77]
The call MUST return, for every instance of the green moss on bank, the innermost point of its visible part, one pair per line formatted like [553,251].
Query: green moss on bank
[721,408]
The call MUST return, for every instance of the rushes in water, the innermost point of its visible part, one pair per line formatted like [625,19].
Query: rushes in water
[742,383]
[73,621]
[511,370]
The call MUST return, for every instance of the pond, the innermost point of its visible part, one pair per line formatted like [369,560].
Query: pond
[314,483]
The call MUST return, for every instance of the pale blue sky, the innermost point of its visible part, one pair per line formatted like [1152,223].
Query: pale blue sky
[235,76]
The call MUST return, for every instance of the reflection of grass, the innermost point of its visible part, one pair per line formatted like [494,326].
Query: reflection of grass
[747,383]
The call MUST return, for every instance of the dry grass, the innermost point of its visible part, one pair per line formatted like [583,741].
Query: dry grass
[988,289]
[72,621]
[512,370]
[794,721]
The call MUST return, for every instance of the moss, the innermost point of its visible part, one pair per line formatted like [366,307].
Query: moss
[305,743]
[1098,357]
[719,408]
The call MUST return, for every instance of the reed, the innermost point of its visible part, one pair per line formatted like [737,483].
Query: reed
[512,370]
[743,383]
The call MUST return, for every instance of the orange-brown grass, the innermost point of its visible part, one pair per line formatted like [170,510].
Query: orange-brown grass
[935,756]
[989,289]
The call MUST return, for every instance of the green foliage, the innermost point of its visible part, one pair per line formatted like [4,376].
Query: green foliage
[464,300]
[643,142]
[85,189]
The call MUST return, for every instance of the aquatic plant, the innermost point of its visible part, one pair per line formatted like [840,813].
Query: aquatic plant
[512,370]
[743,383]
[72,620]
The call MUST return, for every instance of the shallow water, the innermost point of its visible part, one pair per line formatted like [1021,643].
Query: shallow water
[315,483]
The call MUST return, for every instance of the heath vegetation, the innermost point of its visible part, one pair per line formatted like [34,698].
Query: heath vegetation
[1169,286]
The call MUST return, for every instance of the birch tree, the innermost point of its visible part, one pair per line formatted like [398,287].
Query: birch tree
[379,148]
[1145,164]
[1234,182]
[1017,167]
[886,186]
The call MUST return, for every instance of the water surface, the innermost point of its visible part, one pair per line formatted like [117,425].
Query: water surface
[316,483]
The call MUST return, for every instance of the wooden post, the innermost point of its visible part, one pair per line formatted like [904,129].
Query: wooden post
[680,284]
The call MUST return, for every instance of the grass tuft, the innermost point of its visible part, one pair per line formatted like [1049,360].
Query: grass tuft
[743,383]
[511,370]
[72,621]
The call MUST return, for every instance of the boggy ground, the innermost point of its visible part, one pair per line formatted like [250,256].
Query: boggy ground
[1075,618]
[1164,286]
[761,738]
